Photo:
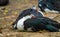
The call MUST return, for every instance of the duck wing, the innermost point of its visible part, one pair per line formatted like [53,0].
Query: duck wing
[39,24]
[52,22]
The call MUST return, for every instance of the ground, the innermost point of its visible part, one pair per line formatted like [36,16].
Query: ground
[9,13]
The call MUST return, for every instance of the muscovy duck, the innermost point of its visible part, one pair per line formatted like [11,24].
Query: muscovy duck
[28,12]
[28,23]
[47,6]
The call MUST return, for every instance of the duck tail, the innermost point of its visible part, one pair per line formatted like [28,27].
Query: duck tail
[57,25]
[52,28]
[52,22]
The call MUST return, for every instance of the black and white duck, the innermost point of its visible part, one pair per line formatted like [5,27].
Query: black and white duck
[30,20]
[28,23]
[48,6]
[29,11]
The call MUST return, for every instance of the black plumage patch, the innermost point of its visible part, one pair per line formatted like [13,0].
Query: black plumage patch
[37,24]
[50,4]
[28,12]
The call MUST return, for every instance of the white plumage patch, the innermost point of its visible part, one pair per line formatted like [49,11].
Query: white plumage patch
[48,10]
[20,23]
[41,12]
[40,5]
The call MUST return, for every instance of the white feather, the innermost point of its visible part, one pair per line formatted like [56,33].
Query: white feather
[40,5]
[20,23]
[41,12]
[48,10]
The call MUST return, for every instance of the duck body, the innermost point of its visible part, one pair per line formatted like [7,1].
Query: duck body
[28,12]
[20,23]
[51,22]
[34,24]
[25,22]
[48,6]
[40,24]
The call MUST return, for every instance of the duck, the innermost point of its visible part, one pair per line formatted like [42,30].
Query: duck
[28,23]
[47,6]
[29,11]
[20,22]
[4,2]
